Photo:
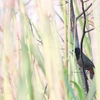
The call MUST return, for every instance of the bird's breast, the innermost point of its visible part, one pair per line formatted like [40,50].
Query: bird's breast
[79,61]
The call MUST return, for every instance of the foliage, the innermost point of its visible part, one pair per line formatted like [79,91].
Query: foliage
[37,62]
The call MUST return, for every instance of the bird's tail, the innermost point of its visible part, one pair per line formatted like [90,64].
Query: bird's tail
[91,72]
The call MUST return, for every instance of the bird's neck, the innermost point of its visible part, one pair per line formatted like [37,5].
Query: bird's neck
[77,56]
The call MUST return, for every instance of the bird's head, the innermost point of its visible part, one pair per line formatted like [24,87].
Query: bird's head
[77,52]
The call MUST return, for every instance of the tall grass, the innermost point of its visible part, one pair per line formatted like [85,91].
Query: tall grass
[32,62]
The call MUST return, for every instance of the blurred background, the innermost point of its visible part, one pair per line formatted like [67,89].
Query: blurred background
[37,43]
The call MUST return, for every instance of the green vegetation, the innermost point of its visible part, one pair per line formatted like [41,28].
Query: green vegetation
[37,60]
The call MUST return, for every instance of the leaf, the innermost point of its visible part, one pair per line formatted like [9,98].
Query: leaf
[78,90]
[92,90]
[70,88]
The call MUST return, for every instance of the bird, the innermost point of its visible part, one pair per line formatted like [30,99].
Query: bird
[88,64]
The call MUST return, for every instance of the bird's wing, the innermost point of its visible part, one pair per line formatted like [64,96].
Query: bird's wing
[87,61]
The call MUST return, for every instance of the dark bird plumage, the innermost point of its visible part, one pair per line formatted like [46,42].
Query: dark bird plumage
[87,62]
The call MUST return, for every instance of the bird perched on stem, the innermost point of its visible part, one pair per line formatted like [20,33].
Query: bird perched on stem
[88,64]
